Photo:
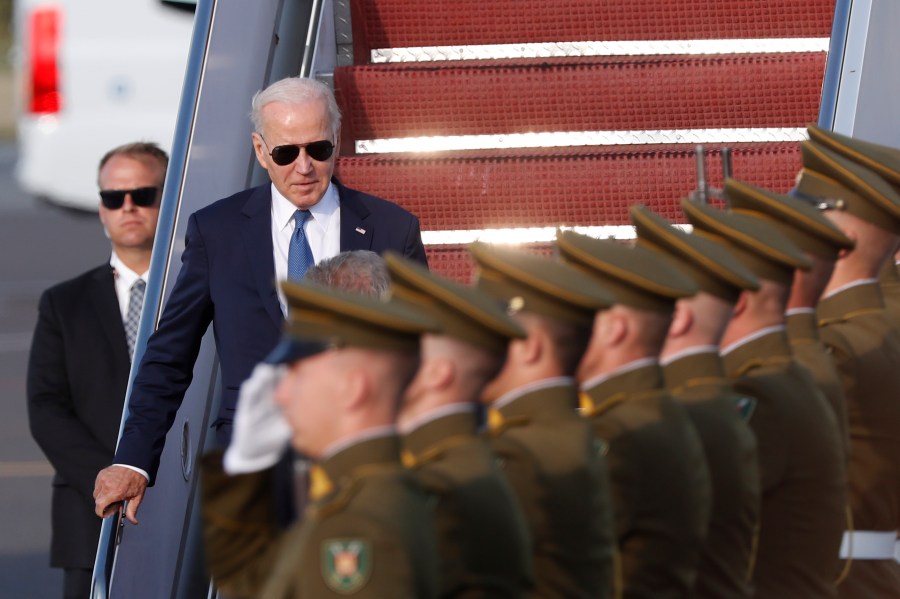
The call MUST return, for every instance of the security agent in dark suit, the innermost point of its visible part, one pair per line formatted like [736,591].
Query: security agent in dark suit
[660,482]
[234,250]
[696,379]
[801,460]
[80,355]
[549,453]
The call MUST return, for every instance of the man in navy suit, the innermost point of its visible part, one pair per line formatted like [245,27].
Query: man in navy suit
[234,251]
[80,356]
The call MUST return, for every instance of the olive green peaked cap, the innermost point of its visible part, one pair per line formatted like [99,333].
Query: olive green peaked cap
[636,276]
[845,185]
[708,263]
[321,318]
[797,220]
[544,286]
[884,160]
[758,245]
[464,313]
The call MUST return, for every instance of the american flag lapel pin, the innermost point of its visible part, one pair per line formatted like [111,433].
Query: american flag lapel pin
[360,230]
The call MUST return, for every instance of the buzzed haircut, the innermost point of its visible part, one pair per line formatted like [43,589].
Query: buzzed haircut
[569,340]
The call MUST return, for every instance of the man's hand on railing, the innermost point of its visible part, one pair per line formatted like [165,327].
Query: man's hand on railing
[116,484]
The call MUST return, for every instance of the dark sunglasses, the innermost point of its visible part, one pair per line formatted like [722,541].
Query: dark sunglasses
[319,151]
[113,199]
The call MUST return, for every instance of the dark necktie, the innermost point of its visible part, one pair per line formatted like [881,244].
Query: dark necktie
[300,256]
[133,316]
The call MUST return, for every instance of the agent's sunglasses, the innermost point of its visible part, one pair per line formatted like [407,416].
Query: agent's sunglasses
[113,199]
[319,151]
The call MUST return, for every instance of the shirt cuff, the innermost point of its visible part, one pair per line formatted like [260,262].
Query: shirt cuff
[144,472]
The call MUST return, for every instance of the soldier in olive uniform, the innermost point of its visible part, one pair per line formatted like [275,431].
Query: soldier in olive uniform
[549,453]
[802,467]
[866,350]
[694,376]
[368,531]
[660,481]
[821,242]
[482,536]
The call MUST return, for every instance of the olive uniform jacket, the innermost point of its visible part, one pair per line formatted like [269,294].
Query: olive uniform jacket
[697,381]
[558,472]
[482,539]
[660,482]
[866,350]
[890,289]
[369,536]
[809,351]
[802,469]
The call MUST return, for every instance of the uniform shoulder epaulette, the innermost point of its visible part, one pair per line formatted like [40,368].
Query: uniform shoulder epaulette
[848,316]
[499,424]
[349,486]
[435,452]
[337,503]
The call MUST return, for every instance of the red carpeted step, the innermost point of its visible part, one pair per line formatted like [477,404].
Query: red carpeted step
[587,186]
[452,262]
[411,23]
[455,262]
[770,90]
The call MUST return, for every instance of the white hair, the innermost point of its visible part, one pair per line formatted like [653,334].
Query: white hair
[295,90]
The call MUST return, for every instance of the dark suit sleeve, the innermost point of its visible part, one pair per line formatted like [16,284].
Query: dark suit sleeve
[73,450]
[167,367]
[414,248]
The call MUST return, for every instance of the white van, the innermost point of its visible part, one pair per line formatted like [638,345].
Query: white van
[91,75]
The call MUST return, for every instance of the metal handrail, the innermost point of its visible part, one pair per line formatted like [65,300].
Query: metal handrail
[164,242]
[835,63]
[303,61]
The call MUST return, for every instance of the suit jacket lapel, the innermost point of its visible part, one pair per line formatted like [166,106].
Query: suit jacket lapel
[257,234]
[356,233]
[106,307]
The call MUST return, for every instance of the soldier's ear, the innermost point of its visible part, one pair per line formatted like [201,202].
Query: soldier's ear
[613,327]
[532,347]
[356,388]
[741,305]
[682,321]
[441,373]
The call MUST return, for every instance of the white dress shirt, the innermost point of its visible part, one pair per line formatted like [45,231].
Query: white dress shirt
[125,278]
[323,231]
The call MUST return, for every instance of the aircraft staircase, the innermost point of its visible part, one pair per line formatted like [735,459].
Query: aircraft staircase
[638,81]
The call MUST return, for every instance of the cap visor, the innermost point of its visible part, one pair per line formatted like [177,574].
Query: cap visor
[291,349]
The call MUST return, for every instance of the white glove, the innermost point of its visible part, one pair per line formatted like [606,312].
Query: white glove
[261,434]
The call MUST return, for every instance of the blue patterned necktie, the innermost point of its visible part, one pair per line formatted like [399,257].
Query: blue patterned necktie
[300,255]
[133,316]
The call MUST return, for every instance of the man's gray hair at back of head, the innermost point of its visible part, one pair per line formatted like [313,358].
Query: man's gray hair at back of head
[359,271]
[295,90]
